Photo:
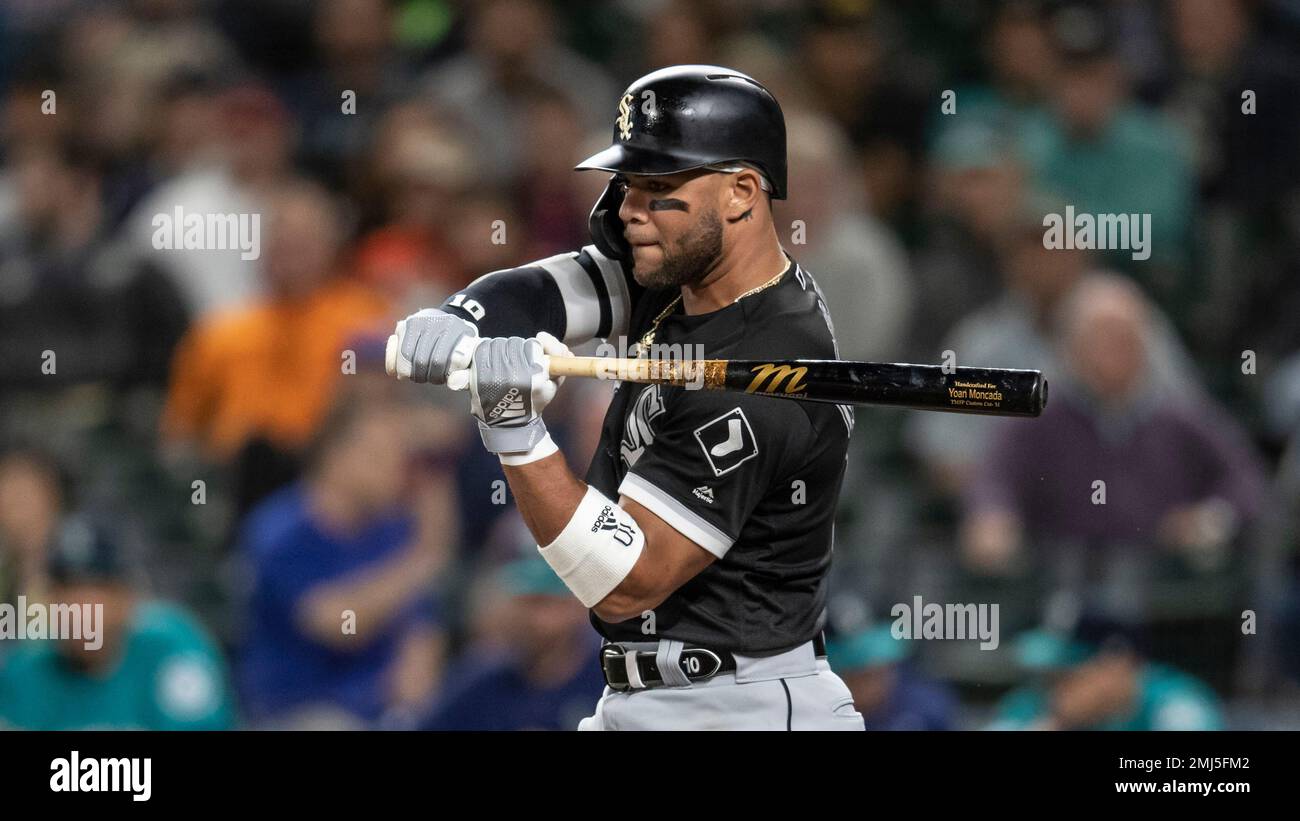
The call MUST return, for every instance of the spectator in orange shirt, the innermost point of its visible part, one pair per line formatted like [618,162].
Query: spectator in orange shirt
[419,171]
[250,385]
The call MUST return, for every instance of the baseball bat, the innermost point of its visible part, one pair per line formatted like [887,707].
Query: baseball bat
[989,391]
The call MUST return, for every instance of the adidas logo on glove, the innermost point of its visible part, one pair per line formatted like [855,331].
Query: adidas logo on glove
[509,406]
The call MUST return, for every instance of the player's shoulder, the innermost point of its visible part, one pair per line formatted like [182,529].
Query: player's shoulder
[789,321]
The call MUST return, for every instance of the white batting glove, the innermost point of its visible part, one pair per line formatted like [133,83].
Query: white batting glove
[430,345]
[510,386]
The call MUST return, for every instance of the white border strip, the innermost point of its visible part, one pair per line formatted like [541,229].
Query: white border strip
[681,518]
[581,303]
[620,301]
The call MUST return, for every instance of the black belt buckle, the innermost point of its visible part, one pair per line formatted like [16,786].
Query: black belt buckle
[611,654]
[696,663]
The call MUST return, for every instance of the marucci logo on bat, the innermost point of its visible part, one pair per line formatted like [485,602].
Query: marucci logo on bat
[770,376]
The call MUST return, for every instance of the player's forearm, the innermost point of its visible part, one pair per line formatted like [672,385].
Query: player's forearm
[590,542]
[547,495]
[631,598]
[667,561]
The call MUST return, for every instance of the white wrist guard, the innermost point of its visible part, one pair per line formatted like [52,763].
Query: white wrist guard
[597,548]
[544,447]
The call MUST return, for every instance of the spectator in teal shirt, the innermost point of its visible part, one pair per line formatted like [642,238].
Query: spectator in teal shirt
[1105,154]
[152,666]
[1097,679]
[1021,64]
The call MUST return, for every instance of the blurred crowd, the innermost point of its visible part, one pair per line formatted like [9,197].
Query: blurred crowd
[283,536]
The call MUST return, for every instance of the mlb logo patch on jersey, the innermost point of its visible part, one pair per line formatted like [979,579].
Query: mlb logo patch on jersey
[727,441]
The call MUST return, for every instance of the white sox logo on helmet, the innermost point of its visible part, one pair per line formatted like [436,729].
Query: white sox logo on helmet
[624,121]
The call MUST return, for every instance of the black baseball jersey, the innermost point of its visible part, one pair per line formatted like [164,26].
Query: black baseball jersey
[752,479]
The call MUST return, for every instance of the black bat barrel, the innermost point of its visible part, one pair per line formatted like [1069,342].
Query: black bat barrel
[990,391]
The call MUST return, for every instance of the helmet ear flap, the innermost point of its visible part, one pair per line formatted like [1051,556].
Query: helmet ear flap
[605,226]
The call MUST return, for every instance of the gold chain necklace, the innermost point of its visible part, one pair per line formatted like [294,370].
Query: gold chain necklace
[648,338]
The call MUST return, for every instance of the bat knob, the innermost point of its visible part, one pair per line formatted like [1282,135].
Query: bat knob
[390,356]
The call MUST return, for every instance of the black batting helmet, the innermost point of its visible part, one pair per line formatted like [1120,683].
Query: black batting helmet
[685,117]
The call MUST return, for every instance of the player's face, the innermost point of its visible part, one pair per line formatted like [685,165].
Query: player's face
[672,223]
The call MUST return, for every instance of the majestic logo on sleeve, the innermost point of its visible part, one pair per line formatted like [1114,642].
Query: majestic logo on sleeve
[727,441]
[637,433]
[624,121]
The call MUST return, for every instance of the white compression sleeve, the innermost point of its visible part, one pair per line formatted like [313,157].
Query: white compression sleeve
[597,548]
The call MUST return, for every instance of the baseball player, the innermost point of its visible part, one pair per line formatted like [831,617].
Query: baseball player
[701,537]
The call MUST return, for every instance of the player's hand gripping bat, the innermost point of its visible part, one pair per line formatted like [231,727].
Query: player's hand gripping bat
[990,391]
